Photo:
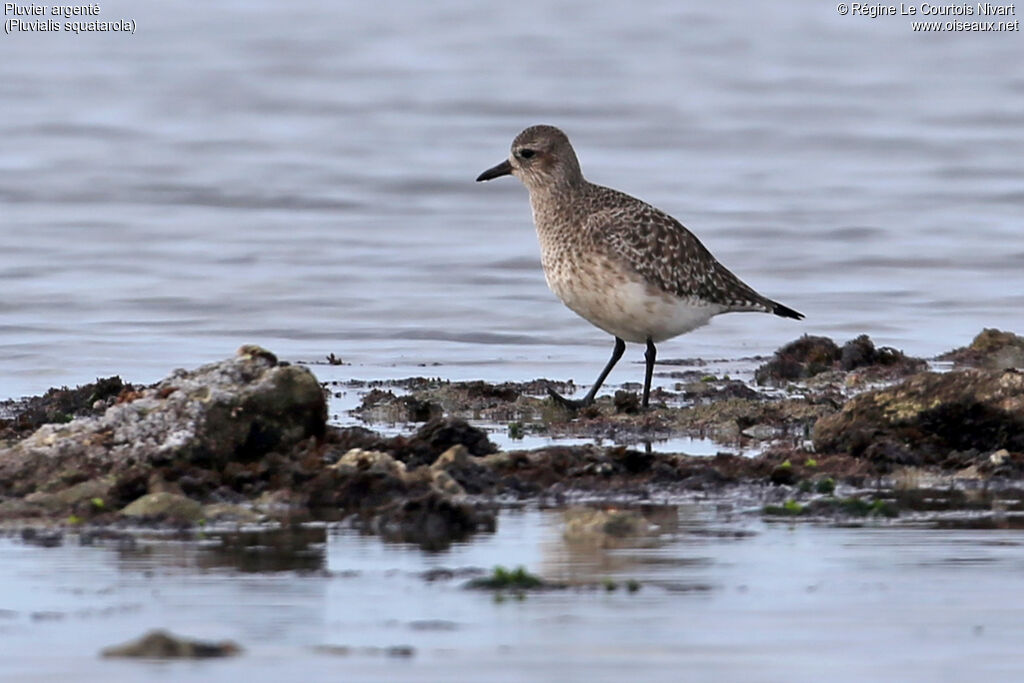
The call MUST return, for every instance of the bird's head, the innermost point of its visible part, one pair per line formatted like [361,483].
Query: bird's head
[541,157]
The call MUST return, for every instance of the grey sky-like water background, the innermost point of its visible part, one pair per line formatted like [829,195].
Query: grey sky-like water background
[300,175]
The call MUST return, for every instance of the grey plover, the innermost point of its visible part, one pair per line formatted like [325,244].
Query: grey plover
[623,265]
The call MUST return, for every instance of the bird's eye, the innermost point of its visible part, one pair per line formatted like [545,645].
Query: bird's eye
[526,153]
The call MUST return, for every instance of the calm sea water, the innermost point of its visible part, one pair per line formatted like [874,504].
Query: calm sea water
[300,175]
[721,600]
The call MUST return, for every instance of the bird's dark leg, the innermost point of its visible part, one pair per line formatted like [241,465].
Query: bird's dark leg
[620,347]
[649,356]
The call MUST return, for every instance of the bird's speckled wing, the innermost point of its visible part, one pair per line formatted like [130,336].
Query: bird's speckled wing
[666,254]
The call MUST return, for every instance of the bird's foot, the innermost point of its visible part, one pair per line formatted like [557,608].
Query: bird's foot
[571,404]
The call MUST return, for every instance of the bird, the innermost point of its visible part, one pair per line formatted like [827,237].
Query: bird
[623,265]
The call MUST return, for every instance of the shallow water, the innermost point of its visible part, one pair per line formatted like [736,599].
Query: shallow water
[721,598]
[349,385]
[300,175]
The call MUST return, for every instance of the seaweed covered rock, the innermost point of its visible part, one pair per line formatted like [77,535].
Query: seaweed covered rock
[422,447]
[809,356]
[861,353]
[425,506]
[379,405]
[728,419]
[992,348]
[437,436]
[466,470]
[59,405]
[236,410]
[163,645]
[164,506]
[930,418]
[800,359]
[363,481]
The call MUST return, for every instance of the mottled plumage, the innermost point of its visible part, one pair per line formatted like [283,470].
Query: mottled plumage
[625,266]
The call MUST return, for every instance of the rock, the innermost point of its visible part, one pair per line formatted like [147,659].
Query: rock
[928,417]
[429,399]
[456,457]
[992,349]
[726,418]
[631,461]
[431,445]
[364,481]
[371,462]
[422,506]
[446,484]
[783,476]
[856,353]
[800,359]
[164,645]
[59,406]
[17,509]
[227,512]
[861,353]
[810,356]
[438,435]
[362,462]
[760,432]
[383,406]
[87,496]
[424,446]
[235,410]
[499,461]
[626,402]
[164,506]
[469,472]
[707,390]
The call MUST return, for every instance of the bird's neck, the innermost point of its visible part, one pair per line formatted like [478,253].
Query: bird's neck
[555,205]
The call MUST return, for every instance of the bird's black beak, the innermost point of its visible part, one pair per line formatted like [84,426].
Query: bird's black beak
[504,168]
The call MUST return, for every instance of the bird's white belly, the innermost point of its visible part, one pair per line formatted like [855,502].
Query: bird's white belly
[622,304]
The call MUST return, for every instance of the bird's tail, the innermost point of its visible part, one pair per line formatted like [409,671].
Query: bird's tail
[785,311]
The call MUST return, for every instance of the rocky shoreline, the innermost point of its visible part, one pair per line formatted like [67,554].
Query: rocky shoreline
[841,431]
